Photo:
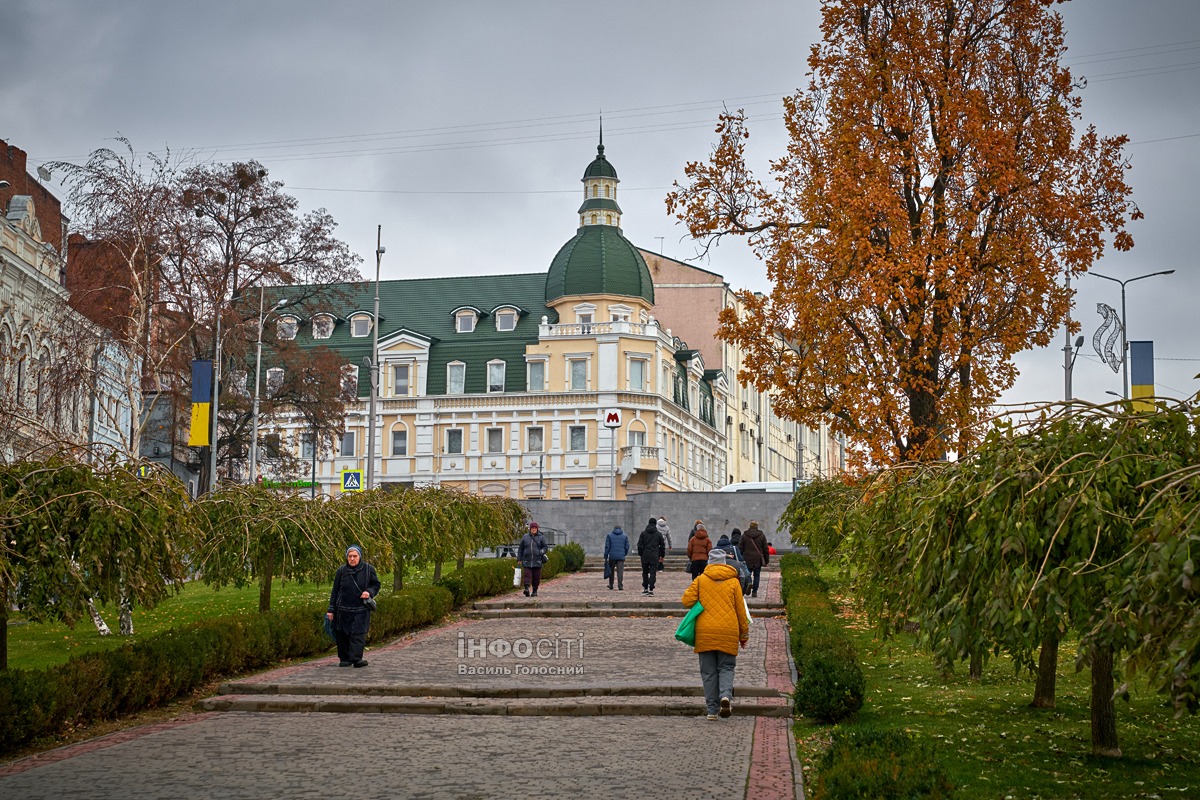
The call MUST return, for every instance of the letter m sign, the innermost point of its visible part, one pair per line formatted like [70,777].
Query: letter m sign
[612,418]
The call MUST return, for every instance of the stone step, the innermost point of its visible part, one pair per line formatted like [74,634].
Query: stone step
[533,707]
[619,606]
[563,613]
[482,692]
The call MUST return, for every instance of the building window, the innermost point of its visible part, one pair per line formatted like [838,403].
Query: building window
[456,378]
[346,450]
[400,442]
[593,219]
[400,374]
[578,436]
[637,375]
[608,219]
[286,327]
[454,441]
[534,440]
[578,374]
[637,438]
[306,445]
[464,321]
[495,376]
[537,376]
[495,440]
[322,326]
[274,381]
[349,381]
[506,320]
[360,325]
[607,188]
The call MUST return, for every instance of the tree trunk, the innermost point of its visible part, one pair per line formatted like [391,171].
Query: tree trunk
[1104,717]
[265,576]
[437,572]
[398,574]
[462,562]
[976,673]
[125,605]
[1043,692]
[3,626]
[98,620]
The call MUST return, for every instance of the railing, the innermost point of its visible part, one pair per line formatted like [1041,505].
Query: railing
[640,452]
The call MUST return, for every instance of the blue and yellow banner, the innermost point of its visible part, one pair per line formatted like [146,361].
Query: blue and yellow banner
[1141,375]
[202,379]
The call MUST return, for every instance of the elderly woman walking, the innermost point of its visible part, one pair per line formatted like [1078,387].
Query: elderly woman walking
[721,630]
[355,585]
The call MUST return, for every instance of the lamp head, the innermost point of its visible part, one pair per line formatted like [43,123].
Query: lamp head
[1079,343]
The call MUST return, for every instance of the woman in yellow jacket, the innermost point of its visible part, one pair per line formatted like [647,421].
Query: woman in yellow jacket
[721,630]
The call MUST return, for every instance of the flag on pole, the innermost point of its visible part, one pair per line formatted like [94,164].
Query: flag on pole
[202,378]
[1141,375]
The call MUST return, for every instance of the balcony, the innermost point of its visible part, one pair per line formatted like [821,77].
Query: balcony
[639,457]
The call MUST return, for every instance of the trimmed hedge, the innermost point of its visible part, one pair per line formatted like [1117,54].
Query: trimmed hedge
[154,671]
[830,684]
[573,556]
[886,765]
[486,577]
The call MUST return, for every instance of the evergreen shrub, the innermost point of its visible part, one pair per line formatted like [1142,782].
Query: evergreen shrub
[573,556]
[830,685]
[886,765]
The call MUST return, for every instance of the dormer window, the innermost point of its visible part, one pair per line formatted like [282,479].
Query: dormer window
[464,321]
[285,328]
[506,319]
[322,326]
[360,325]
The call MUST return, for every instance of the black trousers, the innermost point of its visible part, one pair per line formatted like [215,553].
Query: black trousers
[350,645]
[649,575]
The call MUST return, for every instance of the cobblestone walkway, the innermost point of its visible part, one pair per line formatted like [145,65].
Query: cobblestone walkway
[533,707]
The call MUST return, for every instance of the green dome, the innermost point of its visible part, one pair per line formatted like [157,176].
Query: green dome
[600,168]
[599,260]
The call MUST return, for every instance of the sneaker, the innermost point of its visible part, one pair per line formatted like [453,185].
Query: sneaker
[645,591]
[650,593]
[534,593]
[754,594]
[726,710]
[360,663]
[711,717]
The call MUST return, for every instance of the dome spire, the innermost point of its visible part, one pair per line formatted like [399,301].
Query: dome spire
[600,190]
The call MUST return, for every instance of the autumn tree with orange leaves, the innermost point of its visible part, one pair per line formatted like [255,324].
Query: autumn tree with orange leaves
[933,196]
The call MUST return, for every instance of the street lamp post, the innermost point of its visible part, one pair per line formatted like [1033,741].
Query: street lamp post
[379,251]
[262,318]
[1124,329]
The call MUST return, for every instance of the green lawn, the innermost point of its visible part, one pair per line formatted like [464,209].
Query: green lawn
[36,646]
[993,745]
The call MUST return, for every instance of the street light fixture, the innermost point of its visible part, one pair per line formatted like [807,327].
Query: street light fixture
[1124,329]
[262,319]
[379,251]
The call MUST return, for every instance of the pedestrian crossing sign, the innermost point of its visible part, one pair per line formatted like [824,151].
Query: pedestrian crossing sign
[352,480]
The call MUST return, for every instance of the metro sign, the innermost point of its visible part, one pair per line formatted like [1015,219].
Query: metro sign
[612,418]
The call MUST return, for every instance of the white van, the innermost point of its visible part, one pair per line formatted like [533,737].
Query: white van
[758,486]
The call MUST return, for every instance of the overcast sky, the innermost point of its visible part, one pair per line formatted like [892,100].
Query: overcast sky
[463,128]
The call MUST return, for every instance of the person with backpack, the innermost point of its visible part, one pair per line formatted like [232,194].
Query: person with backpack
[756,554]
[665,530]
[616,548]
[652,548]
[722,629]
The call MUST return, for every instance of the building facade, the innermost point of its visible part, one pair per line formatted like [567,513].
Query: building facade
[60,387]
[578,382]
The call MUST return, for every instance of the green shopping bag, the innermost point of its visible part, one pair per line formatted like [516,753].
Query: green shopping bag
[686,632]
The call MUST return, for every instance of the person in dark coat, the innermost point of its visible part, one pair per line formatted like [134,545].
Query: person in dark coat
[616,548]
[531,553]
[723,542]
[651,547]
[354,583]
[735,537]
[757,553]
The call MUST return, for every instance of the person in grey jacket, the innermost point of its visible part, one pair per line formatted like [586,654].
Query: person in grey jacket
[616,548]
[665,530]
[531,554]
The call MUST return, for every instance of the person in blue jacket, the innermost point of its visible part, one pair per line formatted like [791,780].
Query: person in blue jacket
[616,548]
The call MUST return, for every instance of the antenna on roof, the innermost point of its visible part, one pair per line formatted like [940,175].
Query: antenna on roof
[600,148]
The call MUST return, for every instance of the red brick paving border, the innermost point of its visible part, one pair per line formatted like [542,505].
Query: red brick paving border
[100,743]
[774,769]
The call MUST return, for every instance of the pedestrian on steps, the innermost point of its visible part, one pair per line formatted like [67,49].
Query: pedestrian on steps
[722,629]
[698,547]
[354,584]
[531,554]
[616,548]
[651,547]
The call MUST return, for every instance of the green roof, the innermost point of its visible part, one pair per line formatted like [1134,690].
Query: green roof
[424,306]
[599,204]
[600,168]
[599,260]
